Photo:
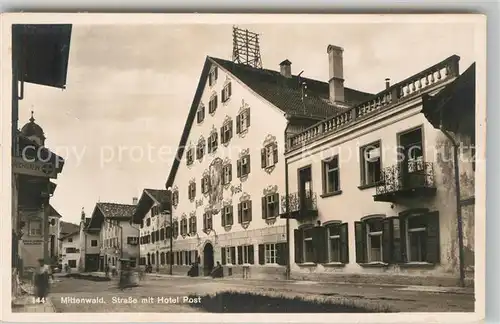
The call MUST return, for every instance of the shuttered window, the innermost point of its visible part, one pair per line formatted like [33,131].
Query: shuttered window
[227,216]
[226,92]
[226,132]
[243,121]
[269,155]
[243,166]
[270,206]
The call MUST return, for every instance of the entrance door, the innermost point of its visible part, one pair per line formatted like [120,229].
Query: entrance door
[208,259]
[412,165]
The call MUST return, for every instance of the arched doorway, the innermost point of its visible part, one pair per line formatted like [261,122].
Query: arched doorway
[208,259]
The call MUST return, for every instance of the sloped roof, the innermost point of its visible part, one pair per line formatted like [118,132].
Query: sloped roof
[160,195]
[286,93]
[69,235]
[114,210]
[148,198]
[68,227]
[53,211]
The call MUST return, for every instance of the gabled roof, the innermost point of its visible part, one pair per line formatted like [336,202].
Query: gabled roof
[68,227]
[69,235]
[282,92]
[109,211]
[149,198]
[53,211]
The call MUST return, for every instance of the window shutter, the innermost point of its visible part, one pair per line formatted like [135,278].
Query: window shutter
[264,207]
[402,232]
[299,245]
[194,225]
[216,140]
[387,240]
[215,73]
[275,153]
[238,168]
[359,235]
[282,253]
[344,243]
[249,210]
[198,116]
[203,185]
[231,217]
[248,162]
[223,217]
[277,202]
[203,113]
[240,214]
[250,254]
[229,90]
[263,158]
[223,255]
[230,172]
[205,221]
[209,144]
[248,117]
[319,244]
[238,120]
[396,240]
[222,92]
[240,254]
[216,101]
[262,259]
[230,130]
[233,255]
[433,246]
[222,138]
[194,190]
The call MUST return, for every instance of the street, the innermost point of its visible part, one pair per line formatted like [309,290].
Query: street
[170,294]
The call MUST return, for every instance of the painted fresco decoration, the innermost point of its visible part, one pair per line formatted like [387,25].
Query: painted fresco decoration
[243,153]
[271,189]
[244,108]
[206,175]
[199,202]
[175,196]
[236,189]
[216,188]
[270,140]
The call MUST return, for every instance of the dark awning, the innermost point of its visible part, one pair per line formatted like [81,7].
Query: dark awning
[42,53]
[453,108]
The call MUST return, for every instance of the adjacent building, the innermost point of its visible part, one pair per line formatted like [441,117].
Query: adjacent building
[371,191]
[228,177]
[71,250]
[118,238]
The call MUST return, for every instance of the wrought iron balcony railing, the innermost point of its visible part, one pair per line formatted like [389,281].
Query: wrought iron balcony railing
[299,205]
[404,180]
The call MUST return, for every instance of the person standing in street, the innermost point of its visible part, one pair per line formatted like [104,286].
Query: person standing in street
[41,281]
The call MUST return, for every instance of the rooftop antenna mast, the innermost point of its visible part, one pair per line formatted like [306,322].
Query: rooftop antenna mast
[246,48]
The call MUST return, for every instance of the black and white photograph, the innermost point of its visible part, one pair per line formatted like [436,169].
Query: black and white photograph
[326,165]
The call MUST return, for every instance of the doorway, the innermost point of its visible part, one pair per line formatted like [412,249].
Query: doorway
[208,259]
[305,188]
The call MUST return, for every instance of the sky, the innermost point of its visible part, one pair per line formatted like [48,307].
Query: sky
[129,90]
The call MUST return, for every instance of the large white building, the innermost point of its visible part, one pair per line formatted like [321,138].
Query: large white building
[372,192]
[228,178]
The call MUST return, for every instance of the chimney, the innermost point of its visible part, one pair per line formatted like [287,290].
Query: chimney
[135,200]
[387,83]
[336,73]
[286,68]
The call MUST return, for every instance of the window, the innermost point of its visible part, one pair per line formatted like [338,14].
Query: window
[132,240]
[93,242]
[148,221]
[190,156]
[227,216]
[417,238]
[212,76]
[243,166]
[331,175]
[192,225]
[270,206]
[168,232]
[155,211]
[269,155]
[374,240]
[308,246]
[411,159]
[142,223]
[245,254]
[200,114]
[212,104]
[333,232]
[70,239]
[207,221]
[270,253]
[226,132]
[192,190]
[322,244]
[35,228]
[72,250]
[175,197]
[184,226]
[226,92]
[243,121]
[228,255]
[200,149]
[245,211]
[205,184]
[227,173]
[370,164]
[212,142]
[72,263]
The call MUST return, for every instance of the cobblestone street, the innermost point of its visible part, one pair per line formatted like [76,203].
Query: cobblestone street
[395,298]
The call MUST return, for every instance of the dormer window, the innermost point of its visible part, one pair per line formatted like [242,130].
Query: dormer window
[212,76]
[226,92]
[212,142]
[212,104]
[227,173]
[243,166]
[269,155]
[200,114]
[226,132]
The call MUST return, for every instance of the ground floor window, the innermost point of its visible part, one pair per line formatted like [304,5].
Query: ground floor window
[228,255]
[245,254]
[417,238]
[322,244]
[72,263]
[270,253]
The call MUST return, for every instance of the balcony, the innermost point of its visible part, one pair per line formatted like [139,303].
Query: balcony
[301,206]
[413,179]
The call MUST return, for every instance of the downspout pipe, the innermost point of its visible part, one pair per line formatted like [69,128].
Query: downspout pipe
[458,206]
[288,263]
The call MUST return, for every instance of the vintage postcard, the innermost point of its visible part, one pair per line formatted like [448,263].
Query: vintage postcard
[244,167]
